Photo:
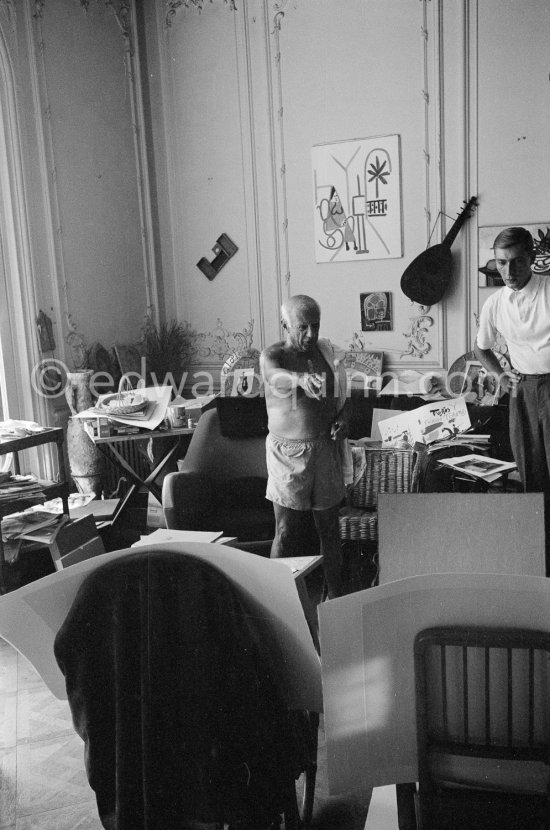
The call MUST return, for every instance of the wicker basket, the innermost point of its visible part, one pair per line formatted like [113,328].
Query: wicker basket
[383,471]
[358,525]
[386,471]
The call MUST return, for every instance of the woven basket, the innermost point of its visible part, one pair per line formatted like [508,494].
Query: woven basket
[358,525]
[386,471]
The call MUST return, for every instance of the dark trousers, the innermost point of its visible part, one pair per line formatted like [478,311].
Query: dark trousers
[530,441]
[530,432]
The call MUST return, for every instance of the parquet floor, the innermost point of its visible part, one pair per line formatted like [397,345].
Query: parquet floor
[43,784]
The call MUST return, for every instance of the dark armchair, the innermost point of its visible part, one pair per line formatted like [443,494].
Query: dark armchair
[221,485]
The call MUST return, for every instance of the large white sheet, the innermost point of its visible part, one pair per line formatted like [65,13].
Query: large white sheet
[31,616]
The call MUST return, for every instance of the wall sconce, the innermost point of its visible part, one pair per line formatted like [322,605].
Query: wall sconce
[224,249]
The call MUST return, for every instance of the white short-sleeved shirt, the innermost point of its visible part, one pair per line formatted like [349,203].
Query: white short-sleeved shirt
[523,319]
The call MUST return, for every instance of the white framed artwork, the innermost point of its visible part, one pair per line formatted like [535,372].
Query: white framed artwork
[357,199]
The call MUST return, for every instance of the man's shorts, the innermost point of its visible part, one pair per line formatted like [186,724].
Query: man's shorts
[304,475]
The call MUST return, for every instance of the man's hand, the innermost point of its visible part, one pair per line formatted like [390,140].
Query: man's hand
[339,430]
[509,381]
[313,384]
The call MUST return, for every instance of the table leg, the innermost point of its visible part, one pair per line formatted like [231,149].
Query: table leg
[149,482]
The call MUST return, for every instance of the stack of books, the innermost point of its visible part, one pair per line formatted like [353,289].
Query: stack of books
[477,442]
[27,523]
[14,488]
[480,466]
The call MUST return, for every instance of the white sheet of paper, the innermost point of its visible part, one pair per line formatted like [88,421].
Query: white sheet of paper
[368,671]
[31,616]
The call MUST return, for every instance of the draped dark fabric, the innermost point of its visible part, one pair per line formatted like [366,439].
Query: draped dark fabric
[175,698]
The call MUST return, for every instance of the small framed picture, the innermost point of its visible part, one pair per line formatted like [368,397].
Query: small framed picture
[479,386]
[376,311]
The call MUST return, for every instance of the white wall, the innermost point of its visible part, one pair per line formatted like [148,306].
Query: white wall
[513,117]
[233,102]
[248,93]
[75,185]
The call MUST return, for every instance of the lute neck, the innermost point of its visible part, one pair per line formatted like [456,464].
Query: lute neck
[459,221]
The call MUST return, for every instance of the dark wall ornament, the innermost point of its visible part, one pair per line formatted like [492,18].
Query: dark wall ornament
[224,249]
[376,311]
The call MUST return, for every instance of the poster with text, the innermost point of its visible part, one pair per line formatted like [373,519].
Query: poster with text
[429,423]
[357,199]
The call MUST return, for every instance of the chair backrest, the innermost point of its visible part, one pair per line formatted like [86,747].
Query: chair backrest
[221,458]
[483,709]
[180,705]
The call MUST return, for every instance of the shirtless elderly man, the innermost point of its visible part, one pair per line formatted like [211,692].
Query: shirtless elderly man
[305,388]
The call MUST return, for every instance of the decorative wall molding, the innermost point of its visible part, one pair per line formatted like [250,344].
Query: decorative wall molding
[19,345]
[252,196]
[172,7]
[418,333]
[48,175]
[124,14]
[282,252]
[126,18]
[471,155]
[212,348]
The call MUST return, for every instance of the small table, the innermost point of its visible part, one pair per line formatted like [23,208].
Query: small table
[106,445]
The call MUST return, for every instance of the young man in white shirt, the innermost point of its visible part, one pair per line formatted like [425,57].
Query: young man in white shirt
[520,312]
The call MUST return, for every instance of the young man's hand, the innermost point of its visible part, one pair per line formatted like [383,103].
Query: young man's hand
[339,430]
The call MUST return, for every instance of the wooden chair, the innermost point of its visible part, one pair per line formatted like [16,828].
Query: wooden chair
[483,728]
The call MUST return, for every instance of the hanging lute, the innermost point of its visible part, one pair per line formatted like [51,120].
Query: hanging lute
[428,276]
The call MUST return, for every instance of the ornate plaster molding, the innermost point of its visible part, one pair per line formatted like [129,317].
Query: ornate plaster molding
[276,110]
[124,14]
[421,325]
[418,332]
[212,348]
[172,7]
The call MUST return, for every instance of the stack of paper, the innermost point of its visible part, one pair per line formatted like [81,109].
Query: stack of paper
[164,535]
[19,525]
[15,488]
[158,397]
[480,466]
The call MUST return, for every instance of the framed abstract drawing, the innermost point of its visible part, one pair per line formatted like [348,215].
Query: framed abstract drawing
[357,199]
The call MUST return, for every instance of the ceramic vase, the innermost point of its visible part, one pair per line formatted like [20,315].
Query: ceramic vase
[85,460]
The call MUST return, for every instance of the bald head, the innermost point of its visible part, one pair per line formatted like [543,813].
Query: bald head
[300,304]
[300,318]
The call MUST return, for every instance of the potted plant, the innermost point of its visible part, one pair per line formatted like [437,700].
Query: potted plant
[166,347]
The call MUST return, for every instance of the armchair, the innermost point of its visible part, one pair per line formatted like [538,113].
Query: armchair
[221,486]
